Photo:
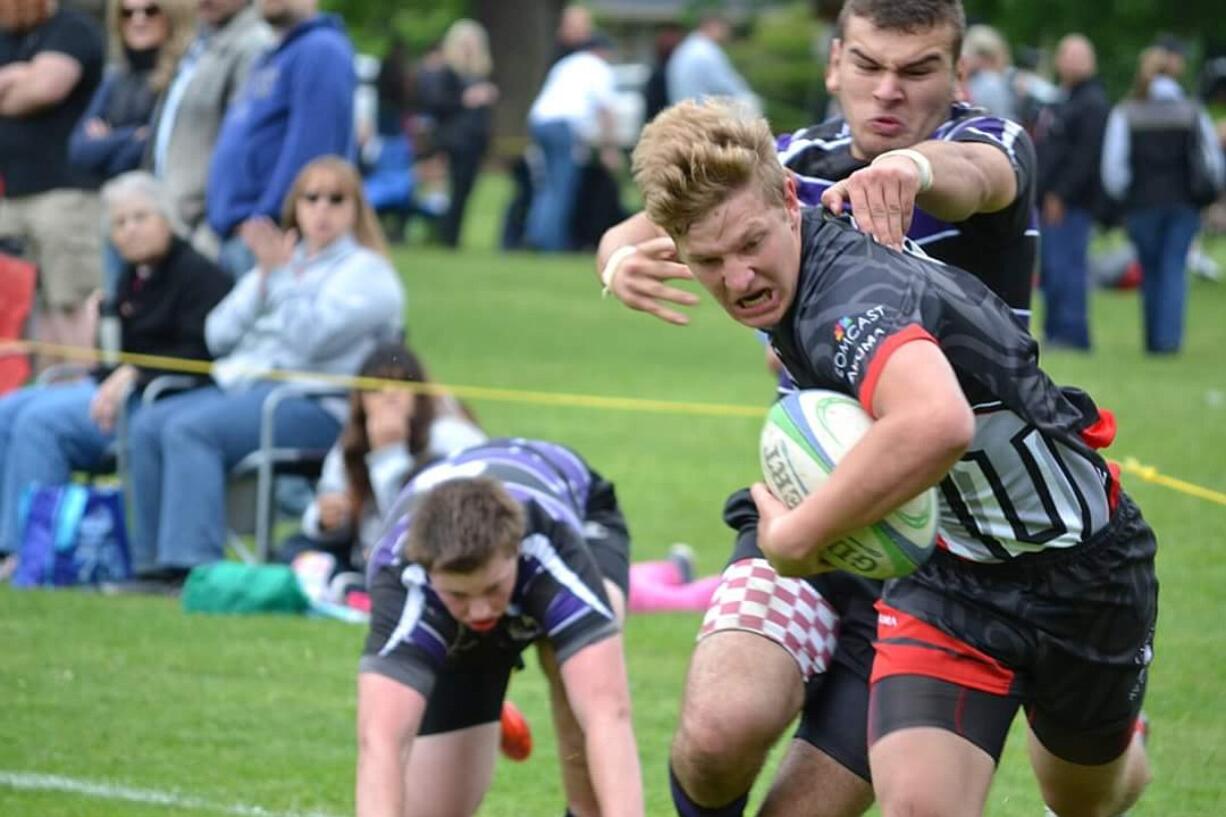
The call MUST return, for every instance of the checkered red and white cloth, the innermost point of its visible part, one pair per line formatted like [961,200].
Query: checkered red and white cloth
[752,597]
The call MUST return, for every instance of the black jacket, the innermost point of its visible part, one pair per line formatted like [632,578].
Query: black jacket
[1070,146]
[164,313]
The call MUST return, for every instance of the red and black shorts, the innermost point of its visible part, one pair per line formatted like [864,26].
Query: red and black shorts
[1067,635]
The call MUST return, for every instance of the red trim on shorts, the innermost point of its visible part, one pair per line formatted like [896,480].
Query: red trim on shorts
[907,646]
[891,345]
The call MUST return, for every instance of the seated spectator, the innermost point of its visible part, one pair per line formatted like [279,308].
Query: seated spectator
[321,296]
[146,39]
[390,434]
[165,291]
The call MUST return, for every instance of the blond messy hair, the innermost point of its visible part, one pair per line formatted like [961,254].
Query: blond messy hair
[696,155]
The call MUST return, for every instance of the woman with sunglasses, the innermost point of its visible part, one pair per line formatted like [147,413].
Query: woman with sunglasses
[146,38]
[321,297]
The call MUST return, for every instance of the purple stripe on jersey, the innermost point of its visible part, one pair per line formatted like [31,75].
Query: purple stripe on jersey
[959,119]
[557,510]
[430,642]
[564,606]
[782,141]
[552,476]
[924,226]
[809,191]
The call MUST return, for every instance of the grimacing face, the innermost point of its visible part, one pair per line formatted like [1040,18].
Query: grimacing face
[746,253]
[478,599]
[894,87]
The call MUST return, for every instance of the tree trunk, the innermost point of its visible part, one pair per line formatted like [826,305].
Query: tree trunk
[521,43]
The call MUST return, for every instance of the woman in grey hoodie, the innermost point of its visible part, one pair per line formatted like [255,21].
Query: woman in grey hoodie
[321,296]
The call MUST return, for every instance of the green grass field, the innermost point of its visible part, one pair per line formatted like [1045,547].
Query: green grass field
[126,706]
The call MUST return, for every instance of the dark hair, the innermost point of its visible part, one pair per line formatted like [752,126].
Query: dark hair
[389,361]
[908,16]
[462,523]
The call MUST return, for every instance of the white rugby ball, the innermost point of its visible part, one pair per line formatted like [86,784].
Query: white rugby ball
[805,435]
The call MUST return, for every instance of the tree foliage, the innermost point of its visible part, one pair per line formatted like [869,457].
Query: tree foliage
[372,23]
[1119,30]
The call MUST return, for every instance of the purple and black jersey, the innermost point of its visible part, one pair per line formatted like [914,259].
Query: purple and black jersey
[559,591]
[1001,248]
[1032,479]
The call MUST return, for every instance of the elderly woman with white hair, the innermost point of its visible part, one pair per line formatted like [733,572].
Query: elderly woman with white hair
[165,291]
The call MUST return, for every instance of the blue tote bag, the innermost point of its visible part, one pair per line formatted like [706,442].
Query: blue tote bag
[72,534]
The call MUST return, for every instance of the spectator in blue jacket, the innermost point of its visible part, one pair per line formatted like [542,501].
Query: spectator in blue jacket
[296,105]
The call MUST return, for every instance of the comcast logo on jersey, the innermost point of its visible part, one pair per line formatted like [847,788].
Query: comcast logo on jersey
[855,337]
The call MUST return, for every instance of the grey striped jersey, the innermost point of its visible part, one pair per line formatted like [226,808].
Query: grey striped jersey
[1031,479]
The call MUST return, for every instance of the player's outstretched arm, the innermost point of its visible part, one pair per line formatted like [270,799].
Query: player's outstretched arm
[635,260]
[960,180]
[389,715]
[599,694]
[923,426]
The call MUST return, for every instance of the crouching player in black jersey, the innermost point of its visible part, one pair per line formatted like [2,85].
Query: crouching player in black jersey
[505,545]
[1041,592]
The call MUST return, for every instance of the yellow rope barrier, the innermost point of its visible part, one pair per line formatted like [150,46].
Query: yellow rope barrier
[1128,465]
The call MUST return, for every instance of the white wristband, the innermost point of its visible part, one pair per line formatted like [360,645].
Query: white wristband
[921,162]
[612,265]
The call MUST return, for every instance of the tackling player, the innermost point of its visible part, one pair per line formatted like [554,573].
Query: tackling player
[1042,592]
[505,545]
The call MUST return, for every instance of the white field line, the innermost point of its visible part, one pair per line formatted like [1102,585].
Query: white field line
[33,781]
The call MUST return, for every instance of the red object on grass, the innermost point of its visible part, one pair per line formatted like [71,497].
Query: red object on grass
[1131,279]
[516,734]
[358,600]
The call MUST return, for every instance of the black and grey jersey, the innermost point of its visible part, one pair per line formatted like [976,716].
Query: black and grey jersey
[559,590]
[1031,479]
[1001,248]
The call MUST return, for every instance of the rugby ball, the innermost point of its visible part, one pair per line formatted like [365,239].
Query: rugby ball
[805,435]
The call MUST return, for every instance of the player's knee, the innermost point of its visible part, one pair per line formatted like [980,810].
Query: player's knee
[720,739]
[914,803]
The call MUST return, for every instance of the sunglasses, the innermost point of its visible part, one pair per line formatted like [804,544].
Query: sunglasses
[332,198]
[148,12]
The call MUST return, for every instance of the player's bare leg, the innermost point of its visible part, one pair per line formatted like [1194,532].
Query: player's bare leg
[810,783]
[742,692]
[572,757]
[929,772]
[1074,790]
[455,768]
